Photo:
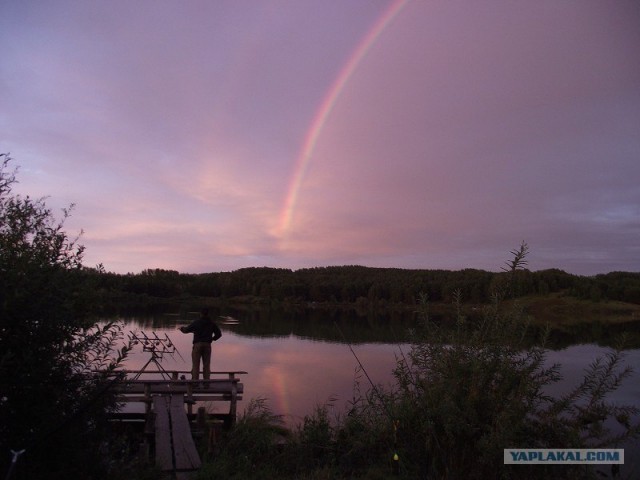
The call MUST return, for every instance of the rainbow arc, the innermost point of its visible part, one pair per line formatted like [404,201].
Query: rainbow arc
[323,112]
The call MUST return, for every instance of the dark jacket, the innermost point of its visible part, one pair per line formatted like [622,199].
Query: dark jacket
[204,330]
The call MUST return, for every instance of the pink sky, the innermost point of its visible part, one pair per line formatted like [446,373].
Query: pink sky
[207,136]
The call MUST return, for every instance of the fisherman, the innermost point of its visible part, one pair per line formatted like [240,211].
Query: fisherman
[205,331]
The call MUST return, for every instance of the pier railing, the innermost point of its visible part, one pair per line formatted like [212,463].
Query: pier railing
[220,387]
[169,427]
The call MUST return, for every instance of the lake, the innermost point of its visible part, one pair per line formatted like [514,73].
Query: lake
[298,360]
[294,370]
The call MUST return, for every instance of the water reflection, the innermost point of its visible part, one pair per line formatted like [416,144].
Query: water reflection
[332,326]
[298,362]
[294,373]
[370,326]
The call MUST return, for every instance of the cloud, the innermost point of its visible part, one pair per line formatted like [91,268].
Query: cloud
[480,129]
[464,130]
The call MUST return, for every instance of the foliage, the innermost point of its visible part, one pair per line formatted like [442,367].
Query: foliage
[356,286]
[250,449]
[463,394]
[519,260]
[467,393]
[622,286]
[258,447]
[52,403]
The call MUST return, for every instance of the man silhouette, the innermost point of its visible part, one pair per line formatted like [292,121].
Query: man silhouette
[205,331]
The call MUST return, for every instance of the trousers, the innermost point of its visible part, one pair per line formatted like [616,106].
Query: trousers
[201,351]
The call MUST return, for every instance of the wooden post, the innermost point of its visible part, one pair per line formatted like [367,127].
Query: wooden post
[147,396]
[201,419]
[190,401]
[233,403]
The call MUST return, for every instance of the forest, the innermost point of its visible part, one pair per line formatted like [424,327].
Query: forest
[352,286]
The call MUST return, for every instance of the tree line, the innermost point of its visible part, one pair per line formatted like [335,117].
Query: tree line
[356,285]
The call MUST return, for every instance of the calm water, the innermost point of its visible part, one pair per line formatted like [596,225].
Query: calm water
[297,363]
[294,373]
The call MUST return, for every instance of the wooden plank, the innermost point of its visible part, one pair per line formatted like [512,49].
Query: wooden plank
[175,372]
[226,397]
[164,453]
[184,449]
[148,387]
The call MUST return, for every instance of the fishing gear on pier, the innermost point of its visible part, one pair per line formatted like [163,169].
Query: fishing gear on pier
[157,346]
[154,344]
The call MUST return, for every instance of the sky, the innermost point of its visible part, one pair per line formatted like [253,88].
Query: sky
[207,136]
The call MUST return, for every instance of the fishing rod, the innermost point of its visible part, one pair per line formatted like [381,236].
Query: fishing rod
[395,457]
[404,358]
[157,346]
[375,389]
[170,347]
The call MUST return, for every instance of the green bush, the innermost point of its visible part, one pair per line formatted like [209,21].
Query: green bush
[53,406]
[467,391]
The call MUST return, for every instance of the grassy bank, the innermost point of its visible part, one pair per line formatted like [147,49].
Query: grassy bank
[560,310]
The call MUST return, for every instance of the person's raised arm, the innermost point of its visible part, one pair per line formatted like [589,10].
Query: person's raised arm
[187,328]
[216,332]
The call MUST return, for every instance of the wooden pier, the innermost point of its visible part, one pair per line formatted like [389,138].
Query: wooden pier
[167,424]
[175,449]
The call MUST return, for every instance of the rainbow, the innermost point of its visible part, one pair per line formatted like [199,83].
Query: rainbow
[281,393]
[323,112]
